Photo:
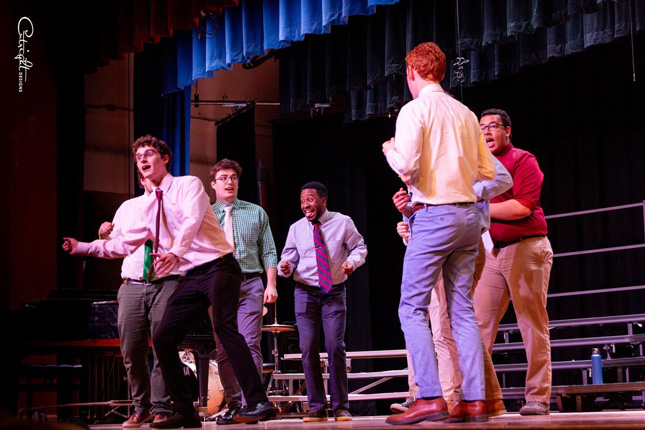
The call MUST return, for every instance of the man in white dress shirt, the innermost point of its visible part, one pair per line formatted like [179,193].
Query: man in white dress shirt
[178,215]
[439,144]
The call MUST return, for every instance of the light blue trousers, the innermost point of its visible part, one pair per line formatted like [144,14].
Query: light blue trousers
[442,237]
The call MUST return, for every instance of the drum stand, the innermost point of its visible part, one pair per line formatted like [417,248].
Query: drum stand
[276,329]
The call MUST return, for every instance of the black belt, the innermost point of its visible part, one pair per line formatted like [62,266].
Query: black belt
[202,268]
[501,245]
[154,281]
[247,276]
[419,206]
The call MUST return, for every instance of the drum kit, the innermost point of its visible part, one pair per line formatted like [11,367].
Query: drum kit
[215,398]
[215,402]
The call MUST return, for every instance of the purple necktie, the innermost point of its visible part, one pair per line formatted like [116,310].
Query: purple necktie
[322,259]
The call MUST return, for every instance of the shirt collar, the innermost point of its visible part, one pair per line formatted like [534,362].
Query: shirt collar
[431,88]
[506,150]
[166,182]
[324,217]
[221,205]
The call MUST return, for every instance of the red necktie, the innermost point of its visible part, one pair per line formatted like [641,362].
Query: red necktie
[322,259]
[158,193]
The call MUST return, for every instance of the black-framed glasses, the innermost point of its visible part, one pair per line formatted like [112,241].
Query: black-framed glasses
[146,154]
[225,178]
[491,127]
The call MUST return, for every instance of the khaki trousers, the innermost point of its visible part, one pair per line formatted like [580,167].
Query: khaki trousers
[519,272]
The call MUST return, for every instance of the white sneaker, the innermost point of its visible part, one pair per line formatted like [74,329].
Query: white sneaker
[399,408]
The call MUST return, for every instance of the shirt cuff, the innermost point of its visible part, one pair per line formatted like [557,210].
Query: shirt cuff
[291,267]
[480,190]
[179,252]
[83,248]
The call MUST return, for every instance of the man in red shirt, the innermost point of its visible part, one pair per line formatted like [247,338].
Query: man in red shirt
[519,264]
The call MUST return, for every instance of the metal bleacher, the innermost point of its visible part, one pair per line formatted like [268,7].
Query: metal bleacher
[626,330]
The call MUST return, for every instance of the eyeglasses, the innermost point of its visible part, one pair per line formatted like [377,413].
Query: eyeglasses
[147,154]
[225,178]
[491,127]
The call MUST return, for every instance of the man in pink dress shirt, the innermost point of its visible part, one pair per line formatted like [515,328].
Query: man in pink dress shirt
[190,240]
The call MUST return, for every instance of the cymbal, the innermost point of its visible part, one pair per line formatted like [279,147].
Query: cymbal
[278,328]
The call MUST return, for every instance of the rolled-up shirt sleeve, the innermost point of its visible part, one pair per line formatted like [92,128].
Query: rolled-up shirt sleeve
[268,252]
[528,180]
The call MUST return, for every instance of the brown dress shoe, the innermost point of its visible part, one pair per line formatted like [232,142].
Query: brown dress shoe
[161,417]
[495,407]
[136,420]
[421,410]
[468,411]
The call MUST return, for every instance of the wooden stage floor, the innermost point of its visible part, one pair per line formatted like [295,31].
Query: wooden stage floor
[610,420]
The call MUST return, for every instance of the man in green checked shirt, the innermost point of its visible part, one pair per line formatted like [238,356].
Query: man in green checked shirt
[247,228]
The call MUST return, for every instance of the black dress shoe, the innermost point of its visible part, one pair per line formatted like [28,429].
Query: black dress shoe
[252,414]
[227,418]
[189,420]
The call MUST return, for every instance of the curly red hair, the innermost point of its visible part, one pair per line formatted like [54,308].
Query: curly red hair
[428,60]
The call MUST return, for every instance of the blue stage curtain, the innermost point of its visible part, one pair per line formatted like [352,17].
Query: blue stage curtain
[258,25]
[364,60]
[161,107]
[496,37]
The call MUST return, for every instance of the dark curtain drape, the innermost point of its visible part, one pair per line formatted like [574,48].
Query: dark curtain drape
[236,141]
[339,156]
[365,61]
[116,28]
[581,116]
[160,107]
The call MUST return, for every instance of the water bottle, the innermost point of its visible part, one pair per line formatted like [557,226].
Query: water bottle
[596,367]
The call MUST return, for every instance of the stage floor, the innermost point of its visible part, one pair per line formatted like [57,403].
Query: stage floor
[611,420]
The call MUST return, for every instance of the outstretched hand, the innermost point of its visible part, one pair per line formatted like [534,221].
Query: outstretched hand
[70,245]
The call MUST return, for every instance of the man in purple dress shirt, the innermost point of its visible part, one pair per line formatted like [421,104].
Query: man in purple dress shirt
[319,299]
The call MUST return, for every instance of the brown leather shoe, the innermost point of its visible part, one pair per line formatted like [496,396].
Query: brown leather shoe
[421,410]
[468,411]
[136,420]
[495,407]
[161,417]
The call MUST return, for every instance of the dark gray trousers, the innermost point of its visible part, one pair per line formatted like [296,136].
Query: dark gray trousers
[313,309]
[141,307]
